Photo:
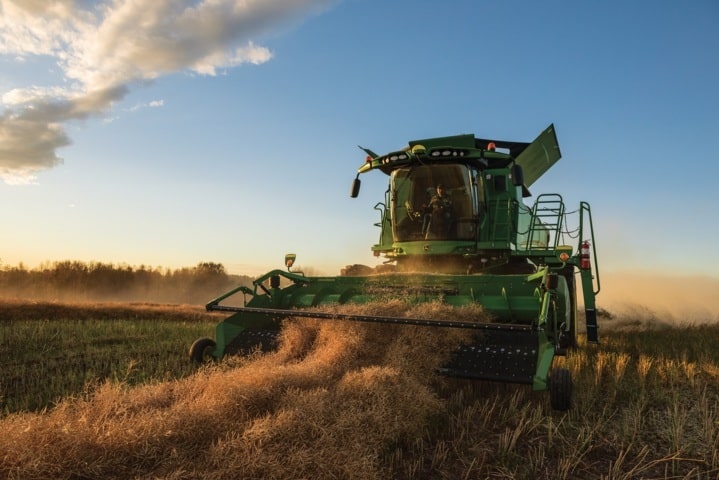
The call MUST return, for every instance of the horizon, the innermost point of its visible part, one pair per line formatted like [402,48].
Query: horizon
[646,296]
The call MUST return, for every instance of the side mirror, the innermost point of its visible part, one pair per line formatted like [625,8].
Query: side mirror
[517,175]
[354,191]
[290,260]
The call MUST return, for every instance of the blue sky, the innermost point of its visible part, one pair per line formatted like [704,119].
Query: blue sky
[227,131]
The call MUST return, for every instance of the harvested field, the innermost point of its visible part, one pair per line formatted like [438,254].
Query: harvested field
[348,400]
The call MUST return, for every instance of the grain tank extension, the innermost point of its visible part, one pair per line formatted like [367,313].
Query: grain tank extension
[453,226]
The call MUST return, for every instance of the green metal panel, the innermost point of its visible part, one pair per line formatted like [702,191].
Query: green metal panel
[539,156]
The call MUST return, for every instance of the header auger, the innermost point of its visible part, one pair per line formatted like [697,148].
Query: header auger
[453,226]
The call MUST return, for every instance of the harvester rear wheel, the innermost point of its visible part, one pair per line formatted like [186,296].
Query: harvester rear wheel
[201,350]
[560,389]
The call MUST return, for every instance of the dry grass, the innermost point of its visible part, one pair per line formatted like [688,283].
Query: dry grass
[347,400]
[52,350]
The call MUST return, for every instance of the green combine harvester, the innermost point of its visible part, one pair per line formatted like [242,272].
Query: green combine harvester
[453,226]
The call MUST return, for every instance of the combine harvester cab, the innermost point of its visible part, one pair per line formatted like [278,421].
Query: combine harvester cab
[453,226]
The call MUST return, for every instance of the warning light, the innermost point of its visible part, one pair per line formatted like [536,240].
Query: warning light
[564,256]
[418,150]
[368,159]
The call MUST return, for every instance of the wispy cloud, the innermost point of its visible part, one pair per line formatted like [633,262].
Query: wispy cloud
[104,47]
[140,106]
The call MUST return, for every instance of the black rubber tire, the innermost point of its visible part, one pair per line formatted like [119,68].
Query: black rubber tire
[201,350]
[560,389]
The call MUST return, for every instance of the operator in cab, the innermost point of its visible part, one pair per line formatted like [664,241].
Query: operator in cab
[440,215]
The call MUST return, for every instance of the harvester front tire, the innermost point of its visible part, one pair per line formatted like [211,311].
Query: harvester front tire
[201,350]
[560,389]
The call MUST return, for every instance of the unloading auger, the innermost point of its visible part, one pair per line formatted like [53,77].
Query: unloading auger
[453,226]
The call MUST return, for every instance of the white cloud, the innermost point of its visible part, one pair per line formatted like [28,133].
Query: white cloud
[18,177]
[103,46]
[33,94]
[151,104]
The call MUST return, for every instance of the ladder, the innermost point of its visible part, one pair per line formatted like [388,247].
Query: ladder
[547,215]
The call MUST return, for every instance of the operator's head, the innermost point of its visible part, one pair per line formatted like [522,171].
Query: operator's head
[440,189]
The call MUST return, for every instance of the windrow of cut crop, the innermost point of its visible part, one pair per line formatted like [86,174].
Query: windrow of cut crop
[330,402]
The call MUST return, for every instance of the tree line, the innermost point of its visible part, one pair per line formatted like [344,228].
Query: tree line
[72,280]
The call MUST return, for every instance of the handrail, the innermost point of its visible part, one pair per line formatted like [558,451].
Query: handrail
[585,210]
[552,207]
